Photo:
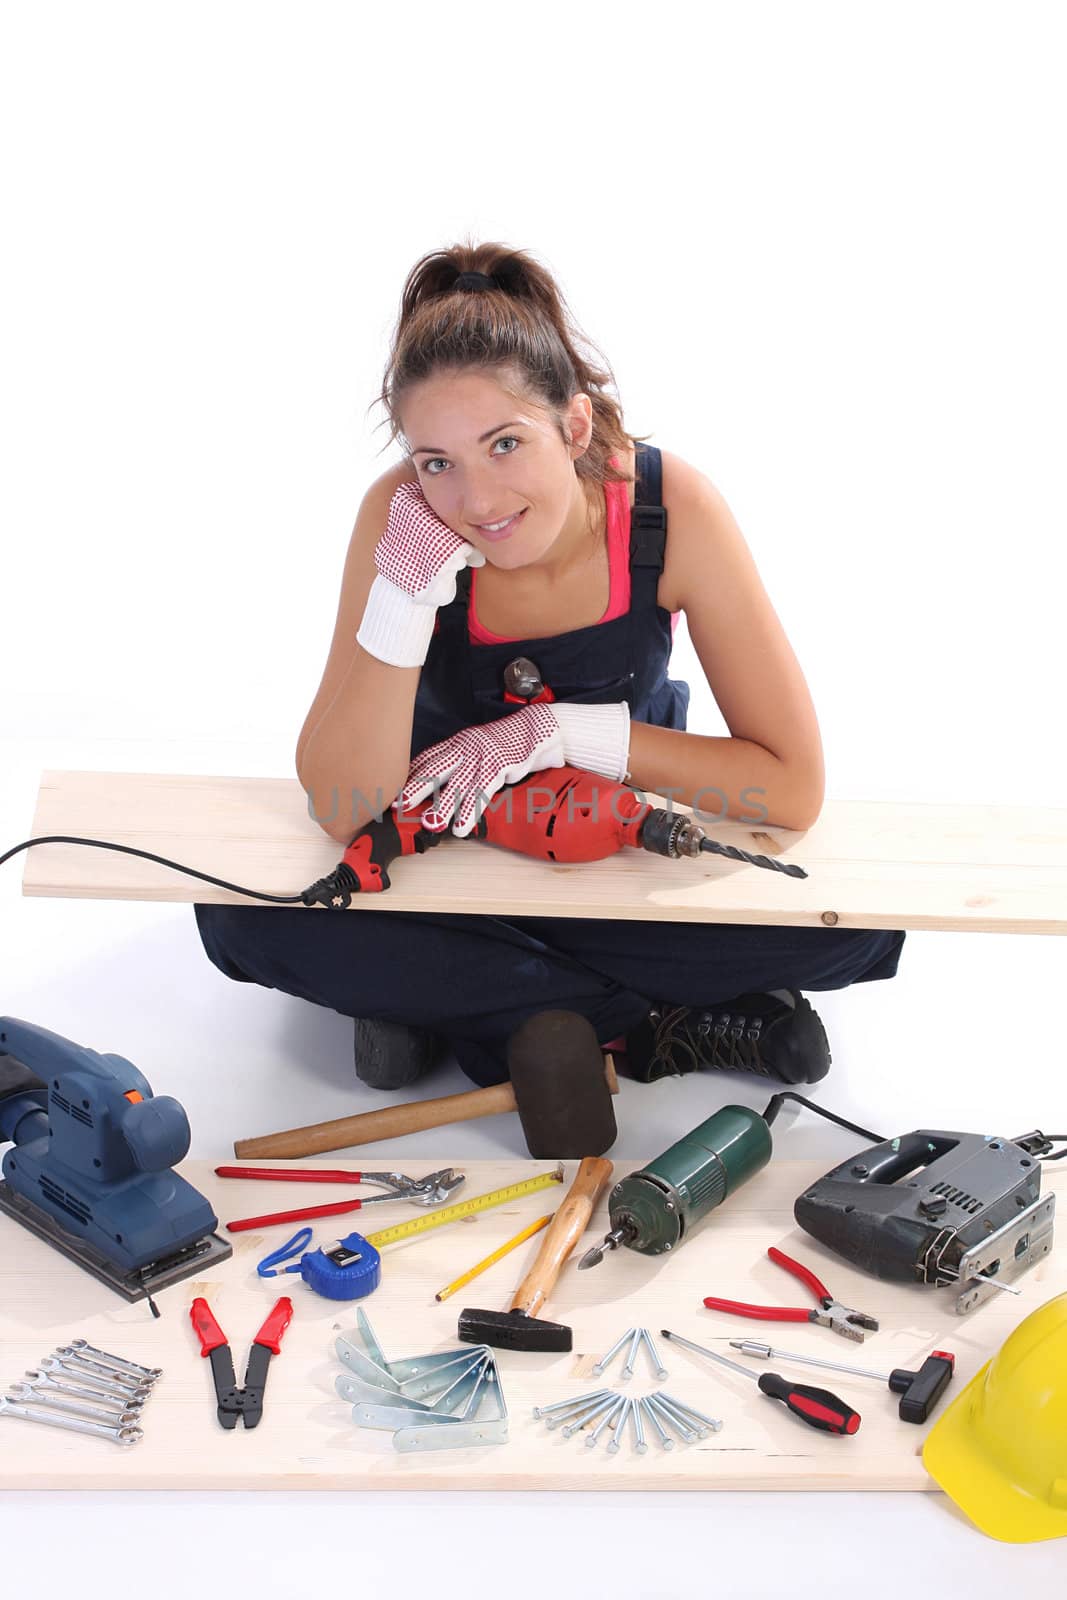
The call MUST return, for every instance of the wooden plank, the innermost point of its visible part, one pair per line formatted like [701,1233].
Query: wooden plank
[976,868]
[307,1440]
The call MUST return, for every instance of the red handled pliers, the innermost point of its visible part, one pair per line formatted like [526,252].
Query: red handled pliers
[233,1403]
[430,1191]
[830,1314]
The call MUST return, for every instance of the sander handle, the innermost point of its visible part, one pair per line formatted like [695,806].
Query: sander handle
[564,1231]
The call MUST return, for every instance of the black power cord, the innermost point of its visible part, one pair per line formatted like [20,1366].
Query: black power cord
[775,1104]
[148,855]
[1036,1144]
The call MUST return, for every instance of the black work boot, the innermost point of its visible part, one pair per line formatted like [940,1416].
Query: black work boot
[777,1034]
[391,1055]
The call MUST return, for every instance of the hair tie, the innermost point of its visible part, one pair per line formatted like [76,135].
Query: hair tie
[473,280]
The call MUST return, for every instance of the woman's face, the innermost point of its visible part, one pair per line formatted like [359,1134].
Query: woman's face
[483,456]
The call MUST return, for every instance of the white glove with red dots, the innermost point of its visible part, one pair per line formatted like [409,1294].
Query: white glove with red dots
[471,766]
[418,558]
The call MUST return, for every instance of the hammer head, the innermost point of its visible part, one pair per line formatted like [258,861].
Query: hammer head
[513,1330]
[561,1091]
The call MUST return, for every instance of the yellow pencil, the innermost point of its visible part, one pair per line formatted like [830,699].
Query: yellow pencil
[527,1233]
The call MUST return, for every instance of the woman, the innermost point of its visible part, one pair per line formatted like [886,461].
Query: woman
[508,533]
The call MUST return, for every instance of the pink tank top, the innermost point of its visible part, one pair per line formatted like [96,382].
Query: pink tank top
[617,500]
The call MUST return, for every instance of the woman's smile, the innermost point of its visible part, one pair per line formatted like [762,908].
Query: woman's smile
[496,534]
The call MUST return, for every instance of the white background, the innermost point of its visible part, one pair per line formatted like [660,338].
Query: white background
[822,249]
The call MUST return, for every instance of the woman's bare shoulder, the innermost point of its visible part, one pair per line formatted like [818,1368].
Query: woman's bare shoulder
[683,483]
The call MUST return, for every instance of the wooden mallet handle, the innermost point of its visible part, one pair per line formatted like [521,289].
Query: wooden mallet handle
[390,1122]
[564,1231]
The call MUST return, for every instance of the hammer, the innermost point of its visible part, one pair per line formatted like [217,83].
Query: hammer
[518,1328]
[561,1085]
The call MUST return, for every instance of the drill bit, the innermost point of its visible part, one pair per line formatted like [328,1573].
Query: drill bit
[735,854]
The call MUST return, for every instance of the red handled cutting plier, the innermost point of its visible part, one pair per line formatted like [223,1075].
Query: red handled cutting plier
[233,1402]
[830,1313]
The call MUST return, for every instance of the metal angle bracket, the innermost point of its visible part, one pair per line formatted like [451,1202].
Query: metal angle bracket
[357,1391]
[363,1367]
[473,1428]
[378,1408]
[464,1379]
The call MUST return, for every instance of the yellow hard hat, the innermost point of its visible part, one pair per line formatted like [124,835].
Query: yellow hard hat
[1000,1450]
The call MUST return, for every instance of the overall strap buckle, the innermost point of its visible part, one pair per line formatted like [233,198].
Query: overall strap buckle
[648,533]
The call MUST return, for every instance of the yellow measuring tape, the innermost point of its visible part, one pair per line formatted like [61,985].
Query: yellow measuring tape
[464,1208]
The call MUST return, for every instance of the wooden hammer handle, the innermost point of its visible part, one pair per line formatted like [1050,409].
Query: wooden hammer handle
[391,1122]
[564,1231]
[388,1123]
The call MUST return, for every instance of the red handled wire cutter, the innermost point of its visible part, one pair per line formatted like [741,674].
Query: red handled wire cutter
[829,1314]
[234,1403]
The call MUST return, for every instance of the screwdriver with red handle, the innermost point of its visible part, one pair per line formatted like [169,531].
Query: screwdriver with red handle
[817,1407]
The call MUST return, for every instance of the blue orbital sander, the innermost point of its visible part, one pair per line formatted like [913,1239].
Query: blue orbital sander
[90,1168]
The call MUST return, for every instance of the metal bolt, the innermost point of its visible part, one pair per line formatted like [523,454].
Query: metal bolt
[619,1425]
[714,1423]
[635,1345]
[575,1413]
[672,1407]
[639,1432]
[590,1413]
[660,1369]
[605,1421]
[612,1353]
[684,1431]
[664,1437]
[568,1405]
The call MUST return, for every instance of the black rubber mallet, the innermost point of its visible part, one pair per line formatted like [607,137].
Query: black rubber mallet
[520,1327]
[561,1085]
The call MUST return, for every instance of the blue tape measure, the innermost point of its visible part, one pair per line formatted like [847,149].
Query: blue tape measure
[346,1269]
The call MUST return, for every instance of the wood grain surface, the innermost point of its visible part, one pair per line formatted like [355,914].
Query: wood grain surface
[982,868]
[307,1439]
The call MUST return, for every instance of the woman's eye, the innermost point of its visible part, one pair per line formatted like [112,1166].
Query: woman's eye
[507,438]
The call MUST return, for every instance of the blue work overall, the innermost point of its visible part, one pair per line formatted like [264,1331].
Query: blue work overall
[474,978]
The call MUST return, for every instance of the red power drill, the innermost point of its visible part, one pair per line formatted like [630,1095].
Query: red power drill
[561,814]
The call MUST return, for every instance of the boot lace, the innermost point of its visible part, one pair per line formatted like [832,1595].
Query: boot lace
[686,1040]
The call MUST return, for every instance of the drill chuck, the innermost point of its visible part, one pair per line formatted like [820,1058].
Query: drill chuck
[655,1209]
[671,833]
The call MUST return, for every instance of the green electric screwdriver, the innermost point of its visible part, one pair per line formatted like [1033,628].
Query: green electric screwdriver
[655,1209]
